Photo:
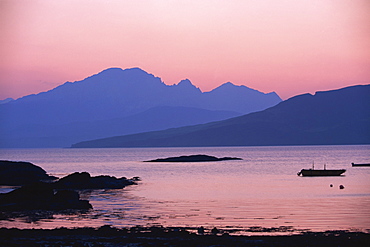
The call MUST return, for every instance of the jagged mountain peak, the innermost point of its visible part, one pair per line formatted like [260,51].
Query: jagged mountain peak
[229,86]
[187,85]
[185,82]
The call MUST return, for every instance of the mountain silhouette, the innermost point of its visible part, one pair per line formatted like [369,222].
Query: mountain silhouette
[326,118]
[119,102]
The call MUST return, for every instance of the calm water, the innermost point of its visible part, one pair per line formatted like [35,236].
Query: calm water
[260,190]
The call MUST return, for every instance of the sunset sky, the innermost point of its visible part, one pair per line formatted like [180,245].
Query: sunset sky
[287,46]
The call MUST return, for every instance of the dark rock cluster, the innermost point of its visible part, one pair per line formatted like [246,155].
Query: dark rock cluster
[83,180]
[40,191]
[15,173]
[41,196]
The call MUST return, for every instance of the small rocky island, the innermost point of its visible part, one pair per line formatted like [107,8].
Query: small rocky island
[193,158]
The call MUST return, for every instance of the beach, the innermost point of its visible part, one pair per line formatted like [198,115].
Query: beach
[160,236]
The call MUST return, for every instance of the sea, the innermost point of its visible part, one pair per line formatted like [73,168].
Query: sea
[261,191]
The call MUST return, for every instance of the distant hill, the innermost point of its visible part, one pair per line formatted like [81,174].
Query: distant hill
[119,102]
[327,118]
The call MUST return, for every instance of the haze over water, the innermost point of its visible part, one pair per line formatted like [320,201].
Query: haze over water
[261,190]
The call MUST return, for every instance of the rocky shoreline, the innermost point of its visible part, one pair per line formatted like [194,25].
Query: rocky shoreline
[40,191]
[171,236]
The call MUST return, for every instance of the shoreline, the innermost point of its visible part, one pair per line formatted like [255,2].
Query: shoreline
[173,236]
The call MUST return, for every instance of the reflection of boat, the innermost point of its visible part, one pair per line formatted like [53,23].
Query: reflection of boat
[353,164]
[312,172]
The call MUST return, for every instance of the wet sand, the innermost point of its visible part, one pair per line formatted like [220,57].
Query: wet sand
[173,236]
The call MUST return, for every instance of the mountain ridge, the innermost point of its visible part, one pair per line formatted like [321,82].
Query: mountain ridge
[110,94]
[325,118]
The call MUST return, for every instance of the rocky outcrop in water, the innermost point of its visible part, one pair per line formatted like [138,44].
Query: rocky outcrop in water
[83,180]
[21,173]
[41,196]
[15,173]
[193,158]
[54,194]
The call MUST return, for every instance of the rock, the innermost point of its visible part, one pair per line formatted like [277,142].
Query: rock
[215,231]
[69,199]
[136,179]
[83,180]
[41,196]
[109,182]
[77,180]
[200,230]
[21,173]
[58,195]
[66,195]
[33,196]
[193,158]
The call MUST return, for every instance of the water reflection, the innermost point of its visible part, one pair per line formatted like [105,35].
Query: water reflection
[260,192]
[39,216]
[102,199]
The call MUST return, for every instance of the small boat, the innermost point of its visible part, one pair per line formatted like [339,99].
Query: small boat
[353,164]
[312,172]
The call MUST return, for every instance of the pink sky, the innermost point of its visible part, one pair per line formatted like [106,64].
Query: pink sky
[290,47]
